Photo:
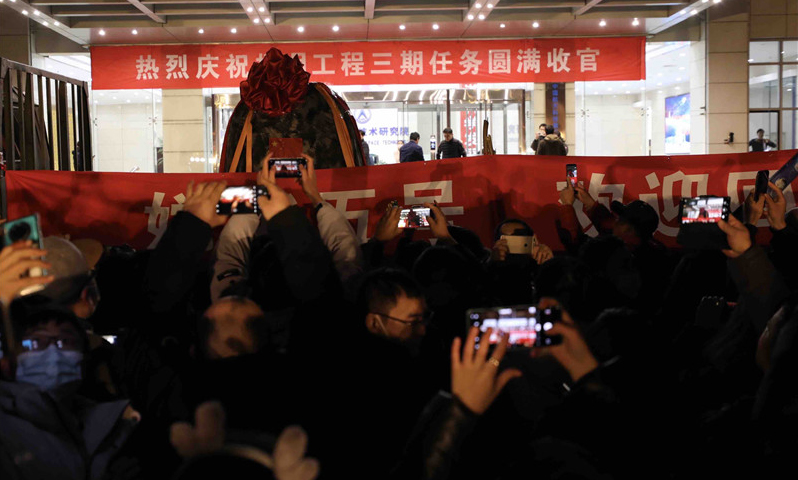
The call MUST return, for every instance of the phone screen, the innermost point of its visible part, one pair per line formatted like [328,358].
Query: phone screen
[785,175]
[413,217]
[286,167]
[518,322]
[704,209]
[761,185]
[570,172]
[237,200]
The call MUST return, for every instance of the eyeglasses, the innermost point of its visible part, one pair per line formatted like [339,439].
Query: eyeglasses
[39,343]
[425,319]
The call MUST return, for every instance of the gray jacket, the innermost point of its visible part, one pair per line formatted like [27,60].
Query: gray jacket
[40,438]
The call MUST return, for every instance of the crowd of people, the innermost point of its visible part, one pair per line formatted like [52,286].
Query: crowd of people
[293,351]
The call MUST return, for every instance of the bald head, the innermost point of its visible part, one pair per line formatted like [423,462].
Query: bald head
[229,328]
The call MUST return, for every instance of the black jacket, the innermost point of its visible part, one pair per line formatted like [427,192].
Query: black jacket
[552,145]
[451,149]
[411,152]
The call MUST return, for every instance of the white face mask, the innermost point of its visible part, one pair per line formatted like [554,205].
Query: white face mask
[50,368]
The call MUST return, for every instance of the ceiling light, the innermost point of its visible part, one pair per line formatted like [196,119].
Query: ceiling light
[490,5]
[470,17]
[135,32]
[481,17]
[24,12]
[478,5]
[56,24]
[267,20]
[659,84]
[602,23]
[256,20]
[659,74]
[677,88]
[113,98]
[300,29]
[233,30]
[678,79]
[693,12]
[335,28]
[102,32]
[683,12]
[402,27]
[715,1]
[636,22]
[46,24]
[261,9]
[249,9]
[535,24]
[201,31]
[435,26]
[704,1]
[36,12]
[750,59]
[628,92]
[681,68]
[128,101]
[501,25]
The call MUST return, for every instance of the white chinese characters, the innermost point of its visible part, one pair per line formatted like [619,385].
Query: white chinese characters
[146,68]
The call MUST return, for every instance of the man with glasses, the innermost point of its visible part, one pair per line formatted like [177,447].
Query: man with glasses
[394,306]
[49,430]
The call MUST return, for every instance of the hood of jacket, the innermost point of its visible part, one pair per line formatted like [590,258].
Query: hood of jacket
[552,137]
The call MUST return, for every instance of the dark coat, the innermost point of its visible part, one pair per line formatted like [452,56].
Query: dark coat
[411,152]
[552,144]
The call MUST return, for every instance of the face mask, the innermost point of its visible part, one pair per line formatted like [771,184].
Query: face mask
[50,368]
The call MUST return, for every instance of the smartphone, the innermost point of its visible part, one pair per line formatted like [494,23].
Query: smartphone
[20,230]
[110,339]
[699,218]
[240,200]
[761,186]
[785,175]
[546,319]
[518,322]
[570,172]
[287,167]
[520,244]
[414,217]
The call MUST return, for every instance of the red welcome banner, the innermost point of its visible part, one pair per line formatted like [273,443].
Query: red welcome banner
[474,192]
[376,63]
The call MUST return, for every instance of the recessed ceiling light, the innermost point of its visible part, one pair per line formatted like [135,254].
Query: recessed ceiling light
[135,32]
[681,68]
[36,12]
[435,26]
[659,74]
[56,24]
[683,12]
[113,98]
[201,31]
[715,1]
[300,29]
[46,23]
[481,17]
[335,28]
[128,101]
[24,12]
[102,32]
[470,16]
[628,91]
[261,9]
[249,9]
[267,20]
[704,1]
[535,24]
[233,30]
[635,22]
[659,84]
[678,79]
[750,59]
[602,23]
[256,20]
[659,91]
[501,25]
[402,27]
[478,5]
[693,12]
[490,5]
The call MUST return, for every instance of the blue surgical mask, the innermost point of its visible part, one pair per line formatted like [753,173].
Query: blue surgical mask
[50,368]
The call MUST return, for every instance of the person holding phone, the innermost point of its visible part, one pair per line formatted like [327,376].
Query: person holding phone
[539,135]
[760,143]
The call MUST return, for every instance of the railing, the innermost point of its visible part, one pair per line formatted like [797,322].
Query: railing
[45,123]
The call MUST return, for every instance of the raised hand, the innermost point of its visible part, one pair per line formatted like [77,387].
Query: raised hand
[737,235]
[475,378]
[584,197]
[201,200]
[437,223]
[277,199]
[568,194]
[15,260]
[500,250]
[753,209]
[542,254]
[776,208]
[308,180]
[388,226]
[573,353]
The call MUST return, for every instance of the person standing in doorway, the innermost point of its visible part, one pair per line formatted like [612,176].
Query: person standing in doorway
[759,143]
[450,147]
[411,151]
[538,137]
[551,144]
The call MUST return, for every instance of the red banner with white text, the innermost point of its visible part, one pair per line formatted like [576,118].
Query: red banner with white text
[376,63]
[473,192]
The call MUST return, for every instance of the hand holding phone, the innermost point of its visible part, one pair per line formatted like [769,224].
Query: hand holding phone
[201,201]
[546,319]
[700,220]
[517,322]
[24,240]
[23,270]
[235,200]
[761,185]
[777,207]
[414,217]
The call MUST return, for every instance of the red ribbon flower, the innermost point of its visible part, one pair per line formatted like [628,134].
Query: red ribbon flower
[275,85]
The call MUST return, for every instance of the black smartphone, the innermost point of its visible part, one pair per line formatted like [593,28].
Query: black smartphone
[785,175]
[570,172]
[546,319]
[699,218]
[414,217]
[240,200]
[23,229]
[518,322]
[287,167]
[761,186]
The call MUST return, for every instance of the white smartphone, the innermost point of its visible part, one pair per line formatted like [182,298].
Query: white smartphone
[520,244]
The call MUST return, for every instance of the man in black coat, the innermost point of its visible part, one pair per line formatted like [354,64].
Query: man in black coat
[450,147]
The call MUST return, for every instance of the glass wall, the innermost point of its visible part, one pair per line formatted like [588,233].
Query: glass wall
[773,104]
